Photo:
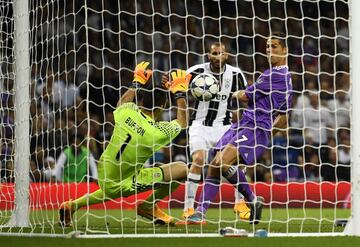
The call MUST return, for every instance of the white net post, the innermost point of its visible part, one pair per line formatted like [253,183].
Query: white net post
[20,216]
[352,227]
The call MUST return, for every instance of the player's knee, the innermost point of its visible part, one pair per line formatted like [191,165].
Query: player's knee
[198,159]
[216,162]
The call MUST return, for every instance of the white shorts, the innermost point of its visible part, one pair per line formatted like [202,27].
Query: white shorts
[205,137]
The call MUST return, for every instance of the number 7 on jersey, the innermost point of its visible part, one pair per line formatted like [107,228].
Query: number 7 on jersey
[242,139]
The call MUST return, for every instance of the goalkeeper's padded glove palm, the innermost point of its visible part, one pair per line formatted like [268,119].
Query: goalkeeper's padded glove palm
[180,81]
[141,74]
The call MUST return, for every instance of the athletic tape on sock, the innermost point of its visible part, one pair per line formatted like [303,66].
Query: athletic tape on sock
[194,177]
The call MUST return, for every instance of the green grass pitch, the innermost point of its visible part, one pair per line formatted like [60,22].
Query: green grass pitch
[125,222]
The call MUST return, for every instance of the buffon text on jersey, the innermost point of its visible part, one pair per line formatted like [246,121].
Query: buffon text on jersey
[139,130]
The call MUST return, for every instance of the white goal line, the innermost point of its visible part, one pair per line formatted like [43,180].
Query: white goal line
[77,234]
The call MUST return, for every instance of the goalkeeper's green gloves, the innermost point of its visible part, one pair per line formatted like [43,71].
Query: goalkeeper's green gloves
[141,74]
[179,83]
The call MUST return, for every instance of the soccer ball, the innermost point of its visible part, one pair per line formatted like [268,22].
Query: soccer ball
[204,87]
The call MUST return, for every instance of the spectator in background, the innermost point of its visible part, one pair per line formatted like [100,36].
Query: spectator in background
[6,161]
[340,109]
[75,163]
[40,165]
[343,155]
[285,168]
[318,125]
[104,134]
[301,101]
[327,169]
[310,166]
[338,167]
[58,137]
[55,91]
[45,90]
[78,113]
[261,171]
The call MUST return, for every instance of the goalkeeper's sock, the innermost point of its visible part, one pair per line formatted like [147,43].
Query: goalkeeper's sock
[237,178]
[191,186]
[164,191]
[211,189]
[89,199]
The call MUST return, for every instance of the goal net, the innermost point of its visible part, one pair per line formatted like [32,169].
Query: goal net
[82,55]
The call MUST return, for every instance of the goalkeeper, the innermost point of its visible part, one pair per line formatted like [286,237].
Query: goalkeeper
[136,136]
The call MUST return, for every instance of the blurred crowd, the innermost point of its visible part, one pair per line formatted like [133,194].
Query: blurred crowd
[83,53]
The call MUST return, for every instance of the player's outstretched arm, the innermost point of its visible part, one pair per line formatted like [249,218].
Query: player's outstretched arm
[280,123]
[241,96]
[141,77]
[178,86]
[182,113]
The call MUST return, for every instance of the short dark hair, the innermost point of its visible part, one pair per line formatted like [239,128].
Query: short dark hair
[279,36]
[217,43]
[154,98]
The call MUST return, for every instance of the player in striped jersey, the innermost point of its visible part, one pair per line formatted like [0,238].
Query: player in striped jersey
[213,118]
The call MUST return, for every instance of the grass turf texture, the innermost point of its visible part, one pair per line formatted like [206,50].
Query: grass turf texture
[126,222]
[181,242]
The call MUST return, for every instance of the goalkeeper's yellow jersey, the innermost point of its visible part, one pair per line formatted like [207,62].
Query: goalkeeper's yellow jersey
[135,138]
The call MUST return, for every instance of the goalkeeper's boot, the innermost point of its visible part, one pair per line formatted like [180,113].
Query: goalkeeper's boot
[66,212]
[256,210]
[156,215]
[242,210]
[196,219]
[188,212]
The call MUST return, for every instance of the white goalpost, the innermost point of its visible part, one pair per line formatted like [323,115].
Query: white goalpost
[64,64]
[351,228]
[20,216]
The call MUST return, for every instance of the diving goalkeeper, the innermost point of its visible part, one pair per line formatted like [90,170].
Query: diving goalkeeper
[136,137]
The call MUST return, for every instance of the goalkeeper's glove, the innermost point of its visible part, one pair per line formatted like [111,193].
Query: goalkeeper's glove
[141,74]
[179,83]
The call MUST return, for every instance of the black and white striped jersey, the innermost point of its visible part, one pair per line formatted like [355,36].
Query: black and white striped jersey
[217,112]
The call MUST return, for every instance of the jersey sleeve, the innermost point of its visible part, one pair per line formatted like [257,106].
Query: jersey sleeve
[169,129]
[57,171]
[263,87]
[239,83]
[120,110]
[129,105]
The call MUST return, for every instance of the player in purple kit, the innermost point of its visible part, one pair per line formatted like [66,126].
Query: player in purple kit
[268,101]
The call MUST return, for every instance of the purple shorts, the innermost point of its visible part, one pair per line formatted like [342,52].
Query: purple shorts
[251,142]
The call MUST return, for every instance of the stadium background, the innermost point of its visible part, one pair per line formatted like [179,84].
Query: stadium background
[79,66]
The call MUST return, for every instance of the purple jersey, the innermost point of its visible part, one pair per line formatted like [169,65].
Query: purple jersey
[268,97]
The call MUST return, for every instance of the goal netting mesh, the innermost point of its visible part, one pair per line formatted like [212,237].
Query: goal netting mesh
[82,54]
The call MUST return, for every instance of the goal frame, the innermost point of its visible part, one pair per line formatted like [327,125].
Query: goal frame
[354,20]
[20,214]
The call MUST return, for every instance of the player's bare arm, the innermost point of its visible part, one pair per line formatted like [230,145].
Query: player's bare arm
[178,86]
[127,97]
[280,123]
[241,96]
[141,77]
[182,113]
